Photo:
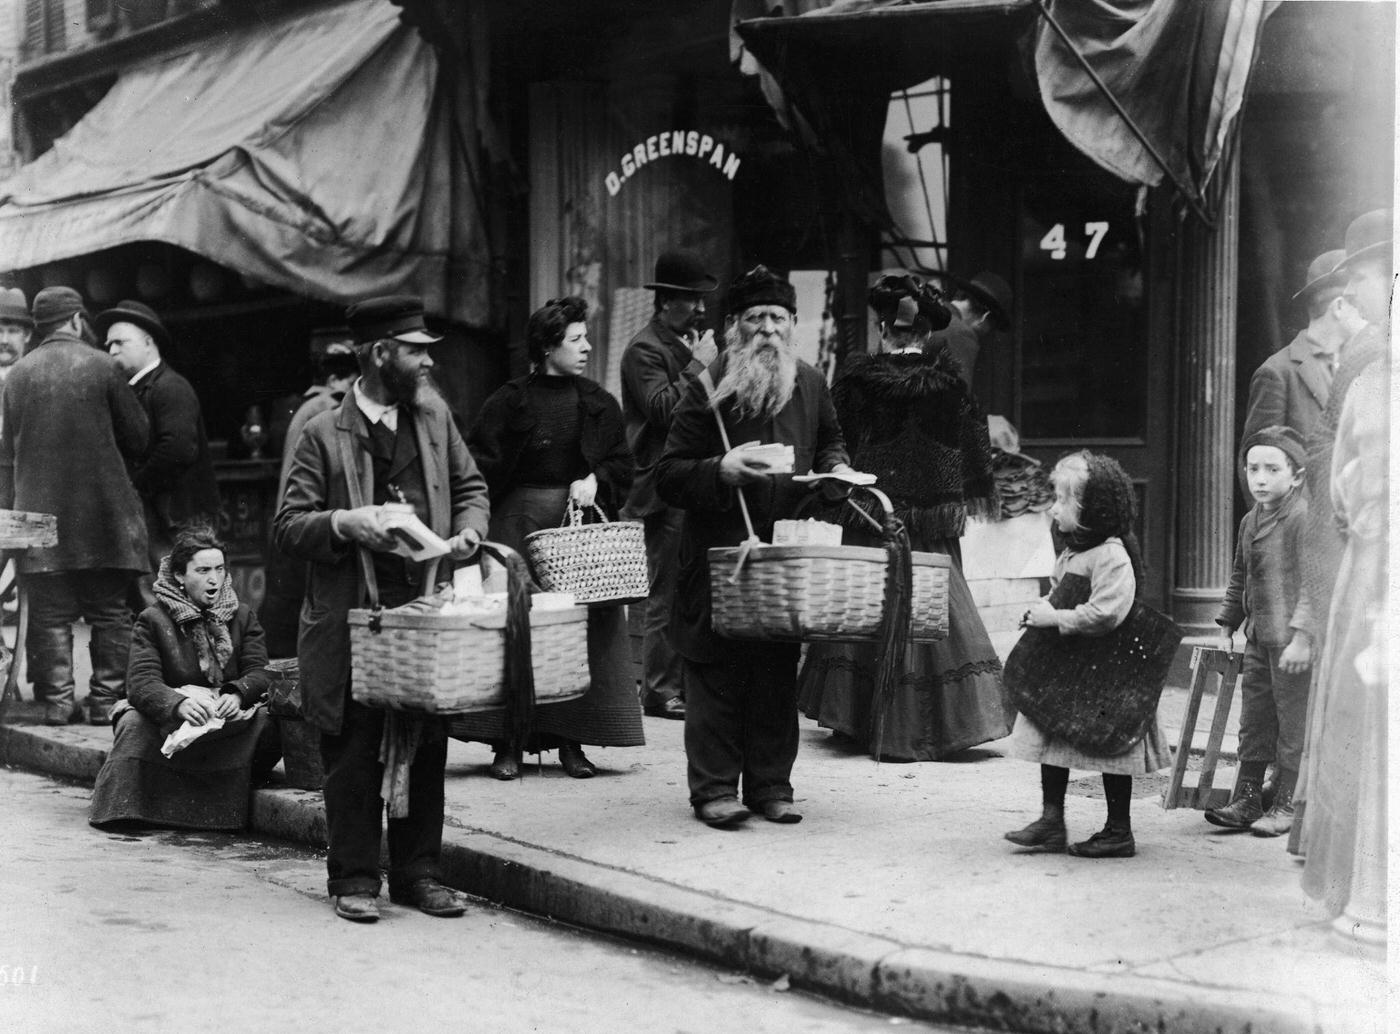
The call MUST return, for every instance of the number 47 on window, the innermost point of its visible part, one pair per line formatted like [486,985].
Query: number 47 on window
[1054,240]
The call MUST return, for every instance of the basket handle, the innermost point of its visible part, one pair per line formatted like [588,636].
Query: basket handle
[576,515]
[519,669]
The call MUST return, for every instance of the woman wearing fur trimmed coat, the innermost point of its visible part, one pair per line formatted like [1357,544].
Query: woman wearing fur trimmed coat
[909,419]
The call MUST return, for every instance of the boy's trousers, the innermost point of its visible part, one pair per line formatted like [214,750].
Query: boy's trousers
[1274,708]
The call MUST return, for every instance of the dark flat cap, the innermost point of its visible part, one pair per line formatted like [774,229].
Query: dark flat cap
[398,316]
[56,304]
[1283,438]
[138,315]
[761,286]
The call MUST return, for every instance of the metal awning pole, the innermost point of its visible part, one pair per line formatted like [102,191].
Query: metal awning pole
[1190,195]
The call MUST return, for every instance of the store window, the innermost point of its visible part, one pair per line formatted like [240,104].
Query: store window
[1083,349]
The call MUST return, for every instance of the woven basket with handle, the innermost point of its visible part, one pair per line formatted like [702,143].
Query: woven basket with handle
[816,593]
[600,563]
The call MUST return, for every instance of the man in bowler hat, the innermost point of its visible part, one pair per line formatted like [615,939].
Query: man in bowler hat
[71,425]
[16,328]
[393,439]
[740,696]
[659,361]
[175,478]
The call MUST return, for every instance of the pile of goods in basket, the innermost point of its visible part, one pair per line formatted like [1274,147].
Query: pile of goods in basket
[1023,483]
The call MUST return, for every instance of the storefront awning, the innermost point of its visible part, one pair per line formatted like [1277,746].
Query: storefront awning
[318,154]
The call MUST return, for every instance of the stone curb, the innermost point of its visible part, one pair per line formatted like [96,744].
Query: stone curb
[855,967]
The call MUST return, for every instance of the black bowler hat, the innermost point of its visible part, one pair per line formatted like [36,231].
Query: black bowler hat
[993,292]
[13,307]
[137,314]
[56,304]
[1369,236]
[761,286]
[1322,272]
[398,316]
[681,271]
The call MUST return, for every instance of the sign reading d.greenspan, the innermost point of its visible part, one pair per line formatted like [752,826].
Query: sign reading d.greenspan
[679,142]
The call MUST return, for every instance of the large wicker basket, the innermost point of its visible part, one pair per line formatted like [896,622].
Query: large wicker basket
[455,664]
[820,593]
[602,563]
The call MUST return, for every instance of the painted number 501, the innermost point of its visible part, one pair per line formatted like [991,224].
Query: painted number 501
[18,975]
[1054,240]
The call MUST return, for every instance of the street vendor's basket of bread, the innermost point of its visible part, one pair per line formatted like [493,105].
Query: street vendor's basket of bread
[814,592]
[441,655]
[600,563]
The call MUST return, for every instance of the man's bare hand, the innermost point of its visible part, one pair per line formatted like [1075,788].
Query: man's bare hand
[364,525]
[702,346]
[464,545]
[737,468]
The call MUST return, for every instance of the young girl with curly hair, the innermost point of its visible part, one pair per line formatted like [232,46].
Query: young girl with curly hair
[1094,511]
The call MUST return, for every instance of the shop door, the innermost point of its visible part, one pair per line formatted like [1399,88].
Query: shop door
[1092,369]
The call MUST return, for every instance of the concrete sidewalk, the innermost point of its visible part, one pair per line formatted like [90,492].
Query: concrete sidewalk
[897,892]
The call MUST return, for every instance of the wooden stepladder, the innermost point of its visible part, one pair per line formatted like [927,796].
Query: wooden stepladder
[1223,666]
[19,531]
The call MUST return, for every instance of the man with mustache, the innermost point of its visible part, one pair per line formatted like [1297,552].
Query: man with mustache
[660,360]
[397,439]
[741,696]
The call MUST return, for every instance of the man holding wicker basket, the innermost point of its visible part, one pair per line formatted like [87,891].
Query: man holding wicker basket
[391,441]
[741,696]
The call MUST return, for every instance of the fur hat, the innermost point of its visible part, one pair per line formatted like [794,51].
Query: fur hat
[1285,439]
[761,286]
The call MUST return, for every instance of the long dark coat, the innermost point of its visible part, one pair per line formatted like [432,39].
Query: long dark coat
[176,476]
[316,485]
[71,424]
[687,476]
[656,366]
[163,656]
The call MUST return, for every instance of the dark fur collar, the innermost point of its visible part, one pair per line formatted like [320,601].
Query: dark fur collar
[905,376]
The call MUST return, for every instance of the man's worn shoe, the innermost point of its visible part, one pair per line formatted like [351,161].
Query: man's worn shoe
[1043,834]
[1241,812]
[575,763]
[722,813]
[1106,843]
[505,766]
[780,811]
[1275,822]
[431,897]
[673,707]
[358,908]
[56,713]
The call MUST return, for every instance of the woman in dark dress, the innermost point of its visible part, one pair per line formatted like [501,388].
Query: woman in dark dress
[197,657]
[909,420]
[543,441]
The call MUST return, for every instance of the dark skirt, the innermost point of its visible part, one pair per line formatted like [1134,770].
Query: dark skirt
[949,698]
[208,785]
[610,713]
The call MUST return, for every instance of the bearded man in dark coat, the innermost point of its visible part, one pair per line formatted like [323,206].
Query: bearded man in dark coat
[71,424]
[741,697]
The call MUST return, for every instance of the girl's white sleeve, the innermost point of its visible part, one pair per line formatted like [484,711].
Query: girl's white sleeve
[1111,592]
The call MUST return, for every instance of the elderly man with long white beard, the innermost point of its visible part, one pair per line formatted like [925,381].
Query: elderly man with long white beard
[741,696]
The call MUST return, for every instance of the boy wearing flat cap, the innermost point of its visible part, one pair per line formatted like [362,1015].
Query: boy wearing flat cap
[1266,597]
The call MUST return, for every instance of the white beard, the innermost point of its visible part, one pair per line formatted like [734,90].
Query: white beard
[759,380]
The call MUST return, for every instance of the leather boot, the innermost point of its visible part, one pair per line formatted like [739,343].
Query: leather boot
[1278,820]
[1242,811]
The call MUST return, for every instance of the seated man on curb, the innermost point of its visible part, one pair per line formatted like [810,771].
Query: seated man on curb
[741,697]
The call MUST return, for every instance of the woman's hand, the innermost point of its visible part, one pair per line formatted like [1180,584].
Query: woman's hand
[1041,615]
[584,491]
[194,710]
[228,706]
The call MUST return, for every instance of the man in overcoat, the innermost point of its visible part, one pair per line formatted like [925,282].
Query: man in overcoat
[1291,387]
[658,362]
[71,424]
[394,436]
[175,478]
[741,696]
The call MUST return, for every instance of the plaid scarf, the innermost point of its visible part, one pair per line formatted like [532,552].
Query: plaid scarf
[207,629]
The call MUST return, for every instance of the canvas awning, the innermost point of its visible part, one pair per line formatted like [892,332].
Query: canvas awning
[317,154]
